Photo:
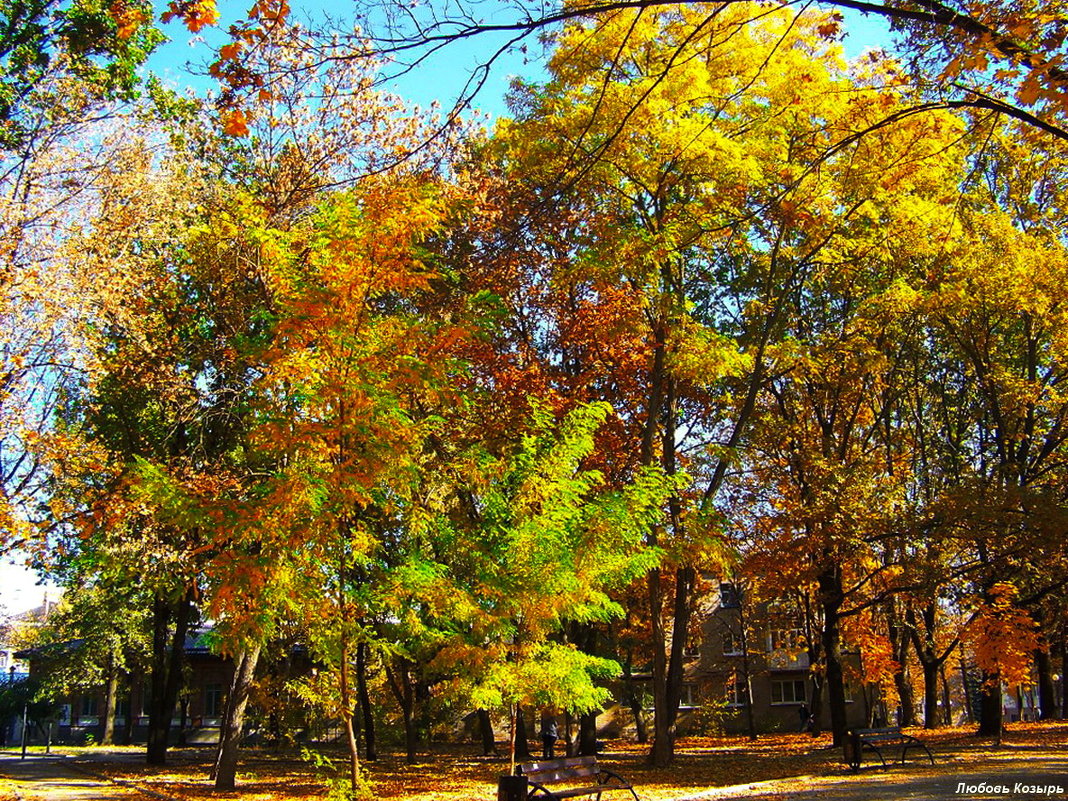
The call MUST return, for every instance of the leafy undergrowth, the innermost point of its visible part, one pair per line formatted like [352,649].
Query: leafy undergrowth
[456,773]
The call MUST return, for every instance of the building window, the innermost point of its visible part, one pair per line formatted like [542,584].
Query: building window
[692,648]
[730,596]
[688,696]
[735,692]
[786,639]
[88,707]
[732,645]
[788,691]
[785,631]
[213,701]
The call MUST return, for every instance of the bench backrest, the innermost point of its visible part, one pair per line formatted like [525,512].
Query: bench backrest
[556,771]
[886,733]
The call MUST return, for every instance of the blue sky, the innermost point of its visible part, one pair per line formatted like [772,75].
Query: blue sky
[441,77]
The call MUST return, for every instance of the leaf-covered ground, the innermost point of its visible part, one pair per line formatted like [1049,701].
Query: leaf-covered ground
[457,773]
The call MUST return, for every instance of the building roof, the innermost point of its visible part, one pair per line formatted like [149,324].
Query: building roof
[196,645]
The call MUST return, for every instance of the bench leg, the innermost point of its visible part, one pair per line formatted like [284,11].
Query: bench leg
[878,753]
[905,750]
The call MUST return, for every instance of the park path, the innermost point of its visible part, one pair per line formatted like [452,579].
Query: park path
[1013,778]
[54,778]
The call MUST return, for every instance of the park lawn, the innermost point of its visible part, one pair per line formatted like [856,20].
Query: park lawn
[457,773]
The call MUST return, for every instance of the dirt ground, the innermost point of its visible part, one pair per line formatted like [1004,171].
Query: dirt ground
[789,767]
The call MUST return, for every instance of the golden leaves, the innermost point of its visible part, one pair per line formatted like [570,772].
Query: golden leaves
[702,357]
[196,14]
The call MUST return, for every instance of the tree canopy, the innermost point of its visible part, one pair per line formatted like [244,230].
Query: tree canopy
[453,405]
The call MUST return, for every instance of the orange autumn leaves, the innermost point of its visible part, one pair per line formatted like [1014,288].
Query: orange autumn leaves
[263,16]
[128,18]
[196,14]
[1004,636]
[234,122]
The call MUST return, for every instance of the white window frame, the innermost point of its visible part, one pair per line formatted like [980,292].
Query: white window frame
[780,685]
[688,696]
[785,639]
[213,700]
[734,692]
[734,643]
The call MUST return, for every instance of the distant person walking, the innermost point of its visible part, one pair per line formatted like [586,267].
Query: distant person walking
[549,733]
[806,718]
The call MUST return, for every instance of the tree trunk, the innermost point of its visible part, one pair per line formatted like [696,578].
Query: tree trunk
[522,744]
[965,685]
[225,770]
[346,705]
[366,713]
[166,672]
[1047,694]
[747,668]
[899,643]
[947,707]
[814,648]
[663,733]
[663,748]
[990,707]
[634,701]
[400,681]
[685,578]
[903,683]
[1064,693]
[128,724]
[183,719]
[927,653]
[513,736]
[110,696]
[668,670]
[157,728]
[830,584]
[411,739]
[485,731]
[421,716]
[930,695]
[1063,649]
[587,742]
[815,706]
[354,754]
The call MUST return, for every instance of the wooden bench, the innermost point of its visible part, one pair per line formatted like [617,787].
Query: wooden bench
[877,740]
[567,778]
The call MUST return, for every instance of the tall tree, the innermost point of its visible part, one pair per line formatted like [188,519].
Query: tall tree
[995,309]
[716,216]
